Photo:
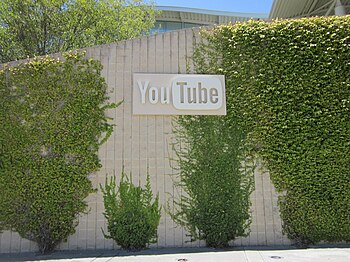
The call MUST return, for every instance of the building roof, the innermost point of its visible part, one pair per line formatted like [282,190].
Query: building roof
[203,16]
[306,8]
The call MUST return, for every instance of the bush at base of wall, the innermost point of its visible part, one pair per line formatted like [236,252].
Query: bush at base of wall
[288,84]
[51,117]
[131,212]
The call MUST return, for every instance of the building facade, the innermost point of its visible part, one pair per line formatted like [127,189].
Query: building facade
[308,8]
[174,18]
[143,144]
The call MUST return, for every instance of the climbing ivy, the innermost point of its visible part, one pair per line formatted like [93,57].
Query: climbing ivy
[52,118]
[215,178]
[288,83]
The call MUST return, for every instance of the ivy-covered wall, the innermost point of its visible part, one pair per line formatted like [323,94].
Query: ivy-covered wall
[144,144]
[288,83]
[287,86]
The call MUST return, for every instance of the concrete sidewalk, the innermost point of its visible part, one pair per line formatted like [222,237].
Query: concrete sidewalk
[191,255]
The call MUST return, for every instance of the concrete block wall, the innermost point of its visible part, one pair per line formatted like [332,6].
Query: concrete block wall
[143,144]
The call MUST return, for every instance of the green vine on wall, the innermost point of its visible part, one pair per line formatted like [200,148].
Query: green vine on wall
[216,178]
[52,115]
[288,86]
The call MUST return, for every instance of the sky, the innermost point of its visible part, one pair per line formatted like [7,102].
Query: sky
[242,6]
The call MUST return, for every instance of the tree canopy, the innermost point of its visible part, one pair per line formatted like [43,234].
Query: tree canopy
[39,27]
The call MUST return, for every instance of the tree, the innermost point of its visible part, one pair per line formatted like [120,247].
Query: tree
[39,27]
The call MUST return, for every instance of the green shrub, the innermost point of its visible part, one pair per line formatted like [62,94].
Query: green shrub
[288,84]
[131,216]
[216,180]
[51,119]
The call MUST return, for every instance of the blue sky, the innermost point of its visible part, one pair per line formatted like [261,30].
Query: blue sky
[244,6]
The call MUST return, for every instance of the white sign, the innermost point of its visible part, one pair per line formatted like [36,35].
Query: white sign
[178,94]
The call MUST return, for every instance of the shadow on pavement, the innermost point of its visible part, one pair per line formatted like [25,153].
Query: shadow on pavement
[89,255]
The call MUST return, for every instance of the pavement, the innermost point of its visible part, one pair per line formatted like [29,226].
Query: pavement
[257,254]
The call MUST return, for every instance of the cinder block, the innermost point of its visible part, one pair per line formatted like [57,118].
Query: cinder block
[82,239]
[262,239]
[253,239]
[25,245]
[270,238]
